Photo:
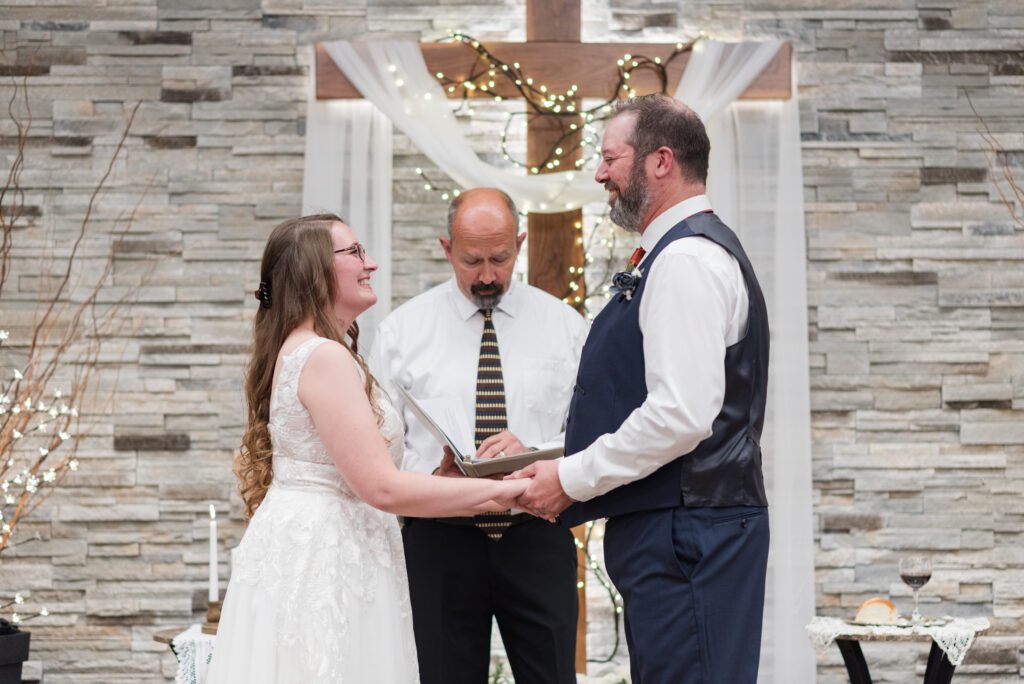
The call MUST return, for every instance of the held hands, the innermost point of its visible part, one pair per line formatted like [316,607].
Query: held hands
[502,444]
[511,490]
[544,496]
[535,488]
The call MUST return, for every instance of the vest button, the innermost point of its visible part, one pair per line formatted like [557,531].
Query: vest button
[743,523]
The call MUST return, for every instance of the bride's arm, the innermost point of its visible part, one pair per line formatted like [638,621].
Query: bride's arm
[331,389]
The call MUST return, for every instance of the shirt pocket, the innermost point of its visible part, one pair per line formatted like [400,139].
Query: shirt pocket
[549,383]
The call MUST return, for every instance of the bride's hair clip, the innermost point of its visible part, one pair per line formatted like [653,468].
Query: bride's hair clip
[263,294]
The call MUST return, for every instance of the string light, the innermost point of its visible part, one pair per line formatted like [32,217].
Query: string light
[601,235]
[564,107]
[614,596]
[573,120]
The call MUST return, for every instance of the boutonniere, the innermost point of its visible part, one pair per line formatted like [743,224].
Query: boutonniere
[625,282]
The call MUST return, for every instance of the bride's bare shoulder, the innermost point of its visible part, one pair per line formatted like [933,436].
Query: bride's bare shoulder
[331,378]
[330,359]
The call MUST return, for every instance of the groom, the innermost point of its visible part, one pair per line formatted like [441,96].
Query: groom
[664,426]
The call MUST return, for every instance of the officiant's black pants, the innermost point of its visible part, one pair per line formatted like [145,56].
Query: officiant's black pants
[459,579]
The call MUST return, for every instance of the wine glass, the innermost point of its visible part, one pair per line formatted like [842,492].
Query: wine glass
[915,571]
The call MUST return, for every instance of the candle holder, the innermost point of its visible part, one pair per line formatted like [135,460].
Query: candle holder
[212,617]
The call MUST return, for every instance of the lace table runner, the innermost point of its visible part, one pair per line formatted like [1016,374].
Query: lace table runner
[953,635]
[194,651]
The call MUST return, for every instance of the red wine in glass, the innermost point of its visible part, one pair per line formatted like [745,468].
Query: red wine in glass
[915,580]
[915,571]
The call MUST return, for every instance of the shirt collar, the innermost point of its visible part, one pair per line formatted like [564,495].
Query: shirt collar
[511,302]
[665,221]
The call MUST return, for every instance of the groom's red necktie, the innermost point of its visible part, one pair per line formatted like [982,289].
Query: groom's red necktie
[634,260]
[490,413]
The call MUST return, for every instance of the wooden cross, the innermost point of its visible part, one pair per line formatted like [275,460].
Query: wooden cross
[553,55]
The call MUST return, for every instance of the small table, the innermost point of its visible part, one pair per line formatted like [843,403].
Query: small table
[951,638]
[166,636]
[193,659]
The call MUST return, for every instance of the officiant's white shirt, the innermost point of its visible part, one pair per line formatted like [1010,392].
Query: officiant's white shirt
[694,305]
[431,346]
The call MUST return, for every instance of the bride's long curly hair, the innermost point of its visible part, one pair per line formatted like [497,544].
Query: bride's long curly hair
[298,281]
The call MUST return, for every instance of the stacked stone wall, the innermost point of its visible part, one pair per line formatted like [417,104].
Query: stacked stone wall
[915,286]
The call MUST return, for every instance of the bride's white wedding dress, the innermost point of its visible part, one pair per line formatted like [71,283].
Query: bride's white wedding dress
[318,590]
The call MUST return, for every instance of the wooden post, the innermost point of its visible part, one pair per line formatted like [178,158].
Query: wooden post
[555,241]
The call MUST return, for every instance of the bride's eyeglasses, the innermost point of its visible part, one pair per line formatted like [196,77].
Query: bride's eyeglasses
[354,248]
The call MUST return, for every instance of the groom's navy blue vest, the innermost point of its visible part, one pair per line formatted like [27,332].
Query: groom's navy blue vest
[725,468]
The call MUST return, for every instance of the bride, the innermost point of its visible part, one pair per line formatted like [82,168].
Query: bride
[318,591]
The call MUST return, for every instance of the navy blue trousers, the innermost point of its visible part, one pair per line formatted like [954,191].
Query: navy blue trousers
[692,583]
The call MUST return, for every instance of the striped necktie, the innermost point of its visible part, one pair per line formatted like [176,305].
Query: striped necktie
[490,413]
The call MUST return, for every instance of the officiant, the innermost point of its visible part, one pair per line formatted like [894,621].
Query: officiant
[493,361]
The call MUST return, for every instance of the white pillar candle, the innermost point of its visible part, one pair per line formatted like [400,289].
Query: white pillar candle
[214,593]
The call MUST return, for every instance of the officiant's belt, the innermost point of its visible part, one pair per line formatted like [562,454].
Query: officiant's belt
[517,519]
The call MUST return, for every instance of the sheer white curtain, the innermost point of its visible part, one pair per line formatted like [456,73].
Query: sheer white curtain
[394,76]
[348,171]
[756,184]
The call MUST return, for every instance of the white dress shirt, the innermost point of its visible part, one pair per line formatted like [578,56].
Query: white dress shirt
[694,305]
[431,346]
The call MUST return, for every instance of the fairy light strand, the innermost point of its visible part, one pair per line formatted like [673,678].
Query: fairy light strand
[573,121]
[564,108]
[594,240]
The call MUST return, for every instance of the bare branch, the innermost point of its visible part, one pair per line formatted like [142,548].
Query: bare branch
[999,156]
[37,447]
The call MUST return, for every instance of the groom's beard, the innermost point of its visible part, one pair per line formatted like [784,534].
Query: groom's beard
[630,205]
[486,296]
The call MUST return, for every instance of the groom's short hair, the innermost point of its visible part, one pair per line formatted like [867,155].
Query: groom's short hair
[453,208]
[663,121]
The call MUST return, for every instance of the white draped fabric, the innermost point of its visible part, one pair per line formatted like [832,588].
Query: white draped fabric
[347,171]
[755,184]
[394,77]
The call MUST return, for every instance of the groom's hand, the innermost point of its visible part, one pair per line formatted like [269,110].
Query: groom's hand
[545,497]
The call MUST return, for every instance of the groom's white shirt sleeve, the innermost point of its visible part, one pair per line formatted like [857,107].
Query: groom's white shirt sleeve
[694,306]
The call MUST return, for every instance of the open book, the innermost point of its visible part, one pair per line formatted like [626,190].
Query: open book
[478,467]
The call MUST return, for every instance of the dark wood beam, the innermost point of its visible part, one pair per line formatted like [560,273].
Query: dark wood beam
[556,20]
[559,65]
[555,241]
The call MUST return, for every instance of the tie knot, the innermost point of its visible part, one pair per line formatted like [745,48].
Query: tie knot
[486,313]
[634,260]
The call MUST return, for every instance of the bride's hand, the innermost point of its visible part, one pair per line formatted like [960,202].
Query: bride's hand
[507,497]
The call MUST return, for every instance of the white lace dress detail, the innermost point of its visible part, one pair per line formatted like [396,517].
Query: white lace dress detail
[318,591]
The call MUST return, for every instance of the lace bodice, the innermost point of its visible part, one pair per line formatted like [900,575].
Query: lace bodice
[300,458]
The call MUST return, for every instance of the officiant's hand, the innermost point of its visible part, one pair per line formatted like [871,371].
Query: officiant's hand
[545,497]
[448,467]
[502,444]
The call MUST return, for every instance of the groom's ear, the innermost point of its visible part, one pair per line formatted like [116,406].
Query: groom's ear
[446,245]
[664,162]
